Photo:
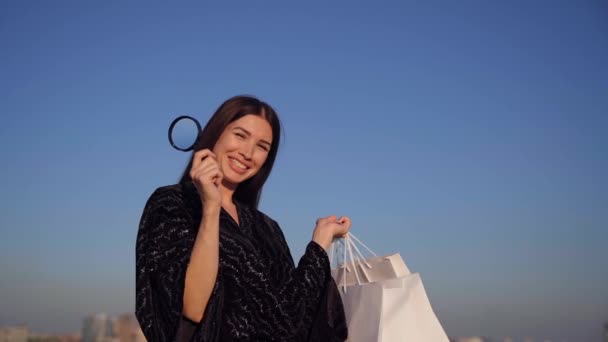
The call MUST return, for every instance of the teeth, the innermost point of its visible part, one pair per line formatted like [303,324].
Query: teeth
[239,164]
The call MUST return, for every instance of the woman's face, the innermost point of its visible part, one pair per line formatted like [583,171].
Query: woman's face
[242,148]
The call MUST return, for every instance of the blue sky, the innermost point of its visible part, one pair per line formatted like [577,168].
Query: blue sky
[468,136]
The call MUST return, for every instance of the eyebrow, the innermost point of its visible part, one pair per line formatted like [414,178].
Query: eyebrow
[249,133]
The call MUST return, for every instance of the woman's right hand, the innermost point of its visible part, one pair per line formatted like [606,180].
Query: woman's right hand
[207,177]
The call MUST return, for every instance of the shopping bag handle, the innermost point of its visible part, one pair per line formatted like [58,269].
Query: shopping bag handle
[362,244]
[358,260]
[354,245]
[348,257]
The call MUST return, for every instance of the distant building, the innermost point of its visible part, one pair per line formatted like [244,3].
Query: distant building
[44,338]
[139,335]
[23,334]
[14,334]
[103,328]
[127,329]
[470,339]
[74,337]
[98,328]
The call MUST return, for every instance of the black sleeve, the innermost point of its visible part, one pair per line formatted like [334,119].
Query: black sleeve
[329,323]
[295,301]
[164,243]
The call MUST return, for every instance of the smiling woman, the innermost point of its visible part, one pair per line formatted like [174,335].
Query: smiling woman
[211,267]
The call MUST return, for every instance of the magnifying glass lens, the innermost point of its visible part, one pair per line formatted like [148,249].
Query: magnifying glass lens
[183,133]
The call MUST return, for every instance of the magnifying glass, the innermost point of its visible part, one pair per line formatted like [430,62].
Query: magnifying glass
[184,132]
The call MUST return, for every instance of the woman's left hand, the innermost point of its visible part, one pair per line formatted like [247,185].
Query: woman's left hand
[329,228]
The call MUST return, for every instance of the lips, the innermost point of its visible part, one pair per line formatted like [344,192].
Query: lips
[238,166]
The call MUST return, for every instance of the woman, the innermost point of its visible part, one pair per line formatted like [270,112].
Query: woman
[211,267]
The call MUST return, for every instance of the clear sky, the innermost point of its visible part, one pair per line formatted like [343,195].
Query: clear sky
[469,136]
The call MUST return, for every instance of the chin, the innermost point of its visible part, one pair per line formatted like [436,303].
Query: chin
[235,181]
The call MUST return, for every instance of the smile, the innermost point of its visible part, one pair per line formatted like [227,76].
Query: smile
[238,166]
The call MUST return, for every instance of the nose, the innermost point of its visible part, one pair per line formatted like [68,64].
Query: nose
[247,151]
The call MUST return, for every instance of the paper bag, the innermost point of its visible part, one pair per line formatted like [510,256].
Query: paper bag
[380,302]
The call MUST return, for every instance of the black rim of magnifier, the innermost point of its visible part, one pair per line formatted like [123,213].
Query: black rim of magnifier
[198,126]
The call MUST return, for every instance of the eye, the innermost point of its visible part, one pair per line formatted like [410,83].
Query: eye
[240,135]
[264,147]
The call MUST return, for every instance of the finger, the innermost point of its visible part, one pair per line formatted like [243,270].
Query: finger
[325,220]
[200,156]
[344,220]
[342,226]
[207,175]
[212,175]
[203,163]
[218,178]
[347,222]
[342,230]
[197,159]
[208,167]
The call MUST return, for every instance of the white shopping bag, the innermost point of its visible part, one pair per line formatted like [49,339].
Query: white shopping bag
[383,304]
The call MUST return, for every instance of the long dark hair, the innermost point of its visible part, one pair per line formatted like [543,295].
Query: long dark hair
[234,108]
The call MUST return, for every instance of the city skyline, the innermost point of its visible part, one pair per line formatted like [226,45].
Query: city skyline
[124,328]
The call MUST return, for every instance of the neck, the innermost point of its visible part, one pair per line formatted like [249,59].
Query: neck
[227,191]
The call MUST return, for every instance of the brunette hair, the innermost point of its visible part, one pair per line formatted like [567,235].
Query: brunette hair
[234,108]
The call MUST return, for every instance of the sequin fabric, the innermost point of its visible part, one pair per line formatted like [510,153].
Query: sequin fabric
[259,295]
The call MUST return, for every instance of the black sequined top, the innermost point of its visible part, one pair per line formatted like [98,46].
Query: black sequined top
[259,294]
